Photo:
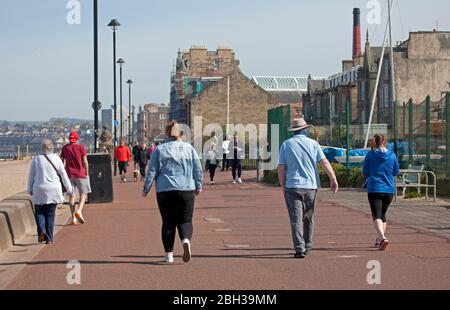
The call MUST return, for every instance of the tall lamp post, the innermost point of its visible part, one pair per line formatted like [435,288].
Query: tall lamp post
[132,123]
[129,82]
[121,62]
[96,105]
[114,24]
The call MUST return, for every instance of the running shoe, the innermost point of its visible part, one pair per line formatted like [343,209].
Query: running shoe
[187,250]
[79,216]
[383,244]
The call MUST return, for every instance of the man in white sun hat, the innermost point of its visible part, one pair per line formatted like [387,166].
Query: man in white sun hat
[299,178]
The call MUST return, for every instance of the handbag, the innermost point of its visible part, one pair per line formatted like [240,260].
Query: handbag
[64,190]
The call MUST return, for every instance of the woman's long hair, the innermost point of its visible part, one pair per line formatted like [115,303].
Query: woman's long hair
[378,141]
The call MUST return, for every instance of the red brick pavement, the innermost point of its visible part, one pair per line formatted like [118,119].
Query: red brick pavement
[248,248]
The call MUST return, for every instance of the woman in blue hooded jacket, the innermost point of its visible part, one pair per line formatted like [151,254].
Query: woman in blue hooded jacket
[380,168]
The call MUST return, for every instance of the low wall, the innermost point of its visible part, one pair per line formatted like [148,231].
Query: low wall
[16,220]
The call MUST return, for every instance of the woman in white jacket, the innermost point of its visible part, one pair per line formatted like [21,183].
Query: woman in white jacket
[44,185]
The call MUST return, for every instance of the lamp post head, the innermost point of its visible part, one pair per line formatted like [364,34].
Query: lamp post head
[129,82]
[114,24]
[121,62]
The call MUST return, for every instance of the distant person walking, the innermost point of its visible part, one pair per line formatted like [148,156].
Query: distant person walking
[237,150]
[176,169]
[135,152]
[143,158]
[299,180]
[123,157]
[380,167]
[44,185]
[226,151]
[212,158]
[74,156]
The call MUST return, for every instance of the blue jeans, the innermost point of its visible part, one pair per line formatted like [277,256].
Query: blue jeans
[300,204]
[45,220]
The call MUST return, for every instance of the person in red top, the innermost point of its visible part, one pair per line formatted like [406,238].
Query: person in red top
[123,156]
[74,156]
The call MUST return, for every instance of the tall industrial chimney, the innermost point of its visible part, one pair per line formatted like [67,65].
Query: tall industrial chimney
[356,32]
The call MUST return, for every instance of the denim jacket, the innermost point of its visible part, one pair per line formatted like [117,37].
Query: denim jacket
[174,166]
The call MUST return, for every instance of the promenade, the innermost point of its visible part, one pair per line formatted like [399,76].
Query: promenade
[242,240]
[13,177]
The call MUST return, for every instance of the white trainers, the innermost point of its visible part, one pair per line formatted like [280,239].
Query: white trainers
[240,181]
[187,250]
[234,181]
[169,258]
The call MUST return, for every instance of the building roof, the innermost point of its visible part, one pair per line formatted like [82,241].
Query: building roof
[287,97]
[282,83]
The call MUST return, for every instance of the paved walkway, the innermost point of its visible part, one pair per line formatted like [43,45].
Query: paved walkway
[13,177]
[423,215]
[241,241]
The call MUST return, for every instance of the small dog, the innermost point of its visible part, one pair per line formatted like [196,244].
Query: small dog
[136,175]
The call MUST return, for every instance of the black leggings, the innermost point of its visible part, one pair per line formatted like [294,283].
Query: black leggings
[379,204]
[142,170]
[212,171]
[237,168]
[177,210]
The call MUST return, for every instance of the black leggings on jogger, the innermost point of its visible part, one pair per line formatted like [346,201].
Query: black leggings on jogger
[177,210]
[212,171]
[379,204]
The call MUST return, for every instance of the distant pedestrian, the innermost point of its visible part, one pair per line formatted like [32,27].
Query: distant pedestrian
[226,151]
[135,152]
[380,168]
[212,158]
[299,180]
[237,151]
[123,157]
[143,158]
[74,156]
[44,185]
[176,169]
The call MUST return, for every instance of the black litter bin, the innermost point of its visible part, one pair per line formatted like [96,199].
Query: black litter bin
[100,175]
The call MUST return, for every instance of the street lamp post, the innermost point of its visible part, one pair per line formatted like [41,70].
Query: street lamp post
[121,62]
[114,24]
[96,105]
[129,82]
[132,123]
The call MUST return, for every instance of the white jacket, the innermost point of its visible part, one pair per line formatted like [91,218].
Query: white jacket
[43,182]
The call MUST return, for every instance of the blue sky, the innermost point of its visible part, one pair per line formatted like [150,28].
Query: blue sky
[47,67]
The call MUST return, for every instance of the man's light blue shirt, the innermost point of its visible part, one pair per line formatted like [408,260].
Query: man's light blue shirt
[300,155]
[174,166]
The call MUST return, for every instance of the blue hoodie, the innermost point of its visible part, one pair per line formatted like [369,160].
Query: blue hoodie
[380,167]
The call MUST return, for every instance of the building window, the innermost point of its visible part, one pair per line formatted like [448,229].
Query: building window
[386,69]
[386,96]
[362,91]
[318,109]
[162,116]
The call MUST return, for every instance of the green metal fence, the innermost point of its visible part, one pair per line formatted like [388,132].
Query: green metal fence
[280,116]
[423,131]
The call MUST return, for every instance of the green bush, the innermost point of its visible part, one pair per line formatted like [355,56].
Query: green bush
[443,187]
[271,177]
[352,178]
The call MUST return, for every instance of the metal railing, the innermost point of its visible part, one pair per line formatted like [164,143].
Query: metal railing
[417,184]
